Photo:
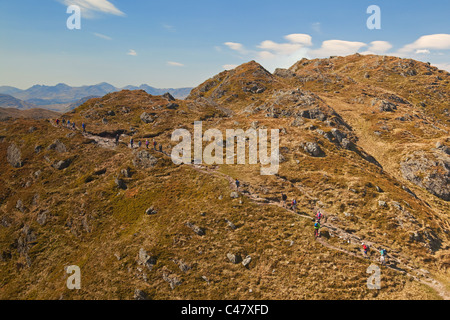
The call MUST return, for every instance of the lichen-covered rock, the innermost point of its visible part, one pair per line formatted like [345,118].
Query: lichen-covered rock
[428,171]
[63,164]
[14,156]
[312,148]
[147,117]
[144,160]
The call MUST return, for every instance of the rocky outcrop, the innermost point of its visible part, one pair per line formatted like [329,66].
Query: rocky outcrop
[120,184]
[144,160]
[195,228]
[58,146]
[312,148]
[234,258]
[429,171]
[146,260]
[147,117]
[63,164]
[14,156]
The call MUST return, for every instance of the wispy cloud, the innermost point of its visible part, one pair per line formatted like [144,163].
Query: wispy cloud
[132,52]
[422,51]
[378,47]
[236,47]
[174,64]
[89,8]
[102,36]
[169,27]
[432,41]
[316,26]
[337,48]
[229,66]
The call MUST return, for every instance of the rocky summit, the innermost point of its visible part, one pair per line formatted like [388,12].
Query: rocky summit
[363,139]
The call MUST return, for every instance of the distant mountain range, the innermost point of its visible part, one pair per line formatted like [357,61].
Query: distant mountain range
[64,98]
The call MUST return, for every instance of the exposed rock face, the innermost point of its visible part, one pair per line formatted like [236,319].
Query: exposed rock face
[195,228]
[146,260]
[140,295]
[431,172]
[172,279]
[63,164]
[386,106]
[283,73]
[120,184]
[144,160]
[312,148]
[172,106]
[14,156]
[234,258]
[57,146]
[151,211]
[168,96]
[147,118]
[247,261]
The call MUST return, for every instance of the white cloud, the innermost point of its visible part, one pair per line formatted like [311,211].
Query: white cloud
[443,66]
[235,46]
[280,48]
[337,48]
[422,51]
[380,46]
[132,53]
[432,41]
[229,66]
[90,7]
[296,42]
[266,55]
[304,39]
[175,64]
[102,36]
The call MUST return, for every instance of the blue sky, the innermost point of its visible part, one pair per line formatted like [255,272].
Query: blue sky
[174,43]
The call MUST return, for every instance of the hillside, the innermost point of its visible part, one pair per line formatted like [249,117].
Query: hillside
[35,113]
[7,101]
[362,138]
[62,97]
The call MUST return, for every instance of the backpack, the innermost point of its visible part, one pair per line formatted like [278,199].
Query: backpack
[383,252]
[319,215]
[294,202]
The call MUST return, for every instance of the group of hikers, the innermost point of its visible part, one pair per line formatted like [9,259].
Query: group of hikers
[71,125]
[147,143]
[68,124]
[318,217]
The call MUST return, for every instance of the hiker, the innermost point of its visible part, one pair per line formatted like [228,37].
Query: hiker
[140,143]
[117,138]
[57,121]
[316,229]
[146,143]
[383,253]
[83,125]
[131,143]
[68,123]
[294,204]
[319,215]
[283,199]
[160,148]
[73,125]
[365,248]
[237,184]
[154,144]
[63,121]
